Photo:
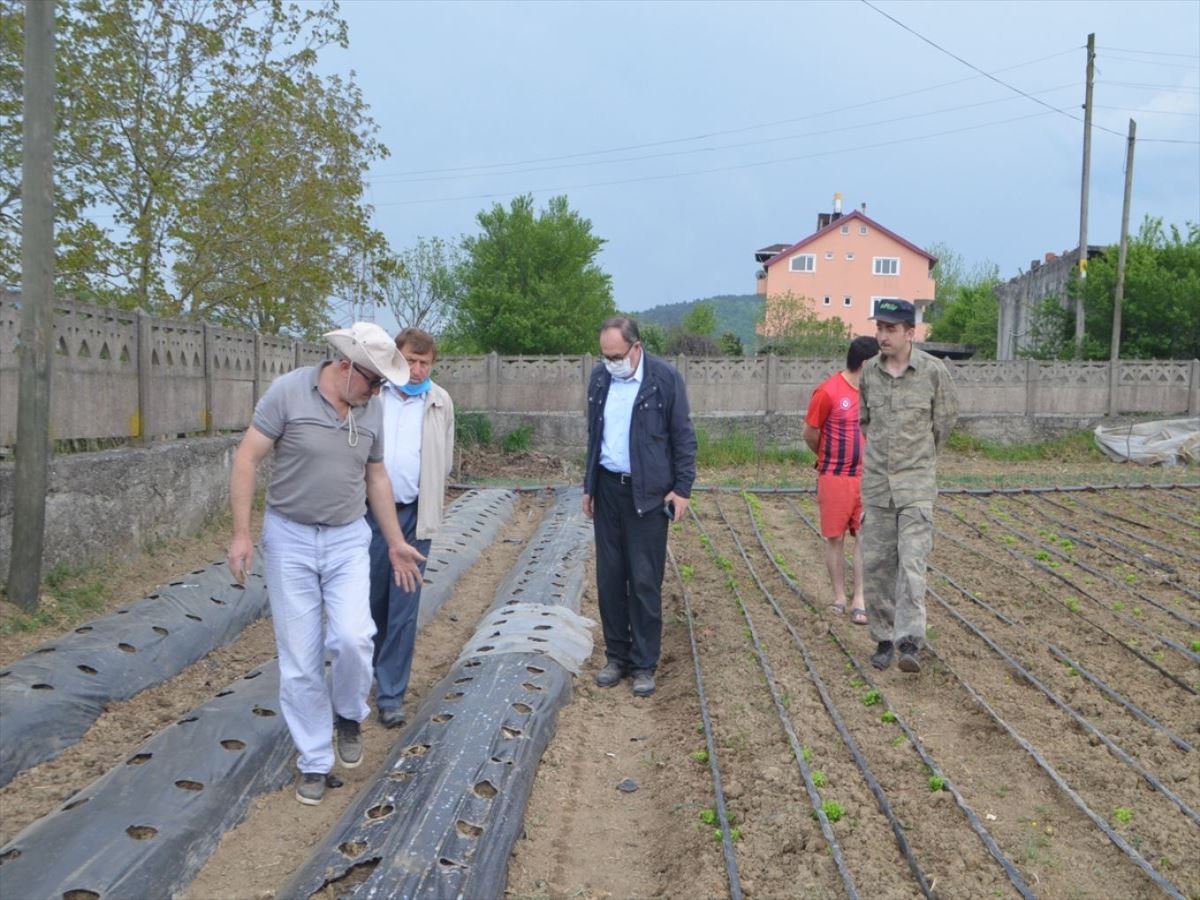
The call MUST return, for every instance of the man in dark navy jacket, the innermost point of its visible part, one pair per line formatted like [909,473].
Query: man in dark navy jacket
[641,463]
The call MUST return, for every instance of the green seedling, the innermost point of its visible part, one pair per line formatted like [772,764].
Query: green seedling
[700,728]
[1054,564]
[700,756]
[1158,656]
[1130,578]
[1118,605]
[898,740]
[833,811]
[807,754]
[888,717]
[937,783]
[708,816]
[1195,645]
[1123,815]
[1073,604]
[1066,545]
[1041,555]
[871,698]
[1072,671]
[1137,611]
[818,778]
[857,683]
[1009,539]
[686,572]
[735,834]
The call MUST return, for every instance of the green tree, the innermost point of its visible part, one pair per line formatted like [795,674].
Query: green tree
[654,338]
[952,274]
[1160,313]
[790,326]
[201,165]
[701,319]
[972,318]
[731,344]
[531,283]
[425,289]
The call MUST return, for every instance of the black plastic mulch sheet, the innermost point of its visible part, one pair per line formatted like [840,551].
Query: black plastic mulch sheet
[49,699]
[145,828]
[442,818]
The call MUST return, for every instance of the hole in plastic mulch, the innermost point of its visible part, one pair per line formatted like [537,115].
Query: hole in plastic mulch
[380,811]
[184,785]
[141,832]
[485,790]
[138,759]
[233,744]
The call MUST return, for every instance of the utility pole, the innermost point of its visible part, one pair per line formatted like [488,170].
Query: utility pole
[1119,293]
[1083,193]
[37,307]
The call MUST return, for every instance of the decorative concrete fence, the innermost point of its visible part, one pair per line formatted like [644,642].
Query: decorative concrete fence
[124,374]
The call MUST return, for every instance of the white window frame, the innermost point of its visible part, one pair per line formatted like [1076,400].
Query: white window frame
[828,301]
[846,302]
[862,229]
[875,265]
[845,229]
[829,254]
[800,258]
[850,256]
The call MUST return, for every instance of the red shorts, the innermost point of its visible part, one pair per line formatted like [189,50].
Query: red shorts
[839,498]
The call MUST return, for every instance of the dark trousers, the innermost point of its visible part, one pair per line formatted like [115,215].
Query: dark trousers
[394,611]
[631,551]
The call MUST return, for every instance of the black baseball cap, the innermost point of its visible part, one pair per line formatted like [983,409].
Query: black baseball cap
[895,311]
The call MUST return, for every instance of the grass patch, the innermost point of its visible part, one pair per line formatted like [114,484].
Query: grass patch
[741,448]
[472,430]
[69,597]
[518,440]
[1078,446]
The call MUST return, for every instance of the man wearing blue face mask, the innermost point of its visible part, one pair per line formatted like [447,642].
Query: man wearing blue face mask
[641,463]
[418,453]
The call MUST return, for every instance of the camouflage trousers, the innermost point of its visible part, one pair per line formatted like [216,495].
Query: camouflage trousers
[896,544]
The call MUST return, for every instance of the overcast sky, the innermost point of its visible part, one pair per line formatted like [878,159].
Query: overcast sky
[691,134]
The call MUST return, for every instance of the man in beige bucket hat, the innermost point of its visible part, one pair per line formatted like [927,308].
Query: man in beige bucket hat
[326,434]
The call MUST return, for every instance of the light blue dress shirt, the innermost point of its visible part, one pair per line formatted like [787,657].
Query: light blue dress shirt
[618,414]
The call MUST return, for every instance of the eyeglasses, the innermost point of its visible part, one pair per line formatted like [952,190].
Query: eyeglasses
[374,382]
[620,356]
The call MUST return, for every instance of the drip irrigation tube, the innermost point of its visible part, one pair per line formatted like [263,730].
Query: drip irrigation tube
[1043,567]
[1167,514]
[147,826]
[877,791]
[710,743]
[1129,620]
[1149,777]
[49,699]
[1147,541]
[1132,708]
[441,818]
[814,796]
[1137,859]
[973,820]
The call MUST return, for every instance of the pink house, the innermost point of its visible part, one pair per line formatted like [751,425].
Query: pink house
[843,269]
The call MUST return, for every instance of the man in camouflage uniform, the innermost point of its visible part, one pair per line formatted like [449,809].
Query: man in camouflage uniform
[907,406]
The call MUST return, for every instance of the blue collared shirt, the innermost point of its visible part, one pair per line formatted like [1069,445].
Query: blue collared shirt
[618,414]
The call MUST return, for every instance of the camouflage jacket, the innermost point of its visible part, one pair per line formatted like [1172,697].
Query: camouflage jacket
[905,421]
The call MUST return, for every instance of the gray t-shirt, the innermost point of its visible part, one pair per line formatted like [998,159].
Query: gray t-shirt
[317,477]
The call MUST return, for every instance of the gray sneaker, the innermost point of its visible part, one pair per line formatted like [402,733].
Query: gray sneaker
[611,674]
[643,683]
[310,788]
[348,741]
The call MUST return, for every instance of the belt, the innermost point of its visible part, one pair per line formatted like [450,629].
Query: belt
[621,477]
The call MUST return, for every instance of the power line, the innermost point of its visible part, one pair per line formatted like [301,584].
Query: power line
[710,149]
[1179,89]
[1147,112]
[729,168]
[1152,52]
[1149,62]
[1011,87]
[721,132]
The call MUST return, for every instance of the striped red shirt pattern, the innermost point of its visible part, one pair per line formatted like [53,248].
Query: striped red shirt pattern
[833,410]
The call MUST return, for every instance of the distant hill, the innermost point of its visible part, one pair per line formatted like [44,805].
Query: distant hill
[735,312]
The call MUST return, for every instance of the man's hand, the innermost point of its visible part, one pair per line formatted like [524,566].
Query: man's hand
[240,557]
[680,504]
[588,508]
[405,566]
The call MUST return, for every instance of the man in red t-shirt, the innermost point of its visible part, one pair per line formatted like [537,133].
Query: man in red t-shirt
[831,431]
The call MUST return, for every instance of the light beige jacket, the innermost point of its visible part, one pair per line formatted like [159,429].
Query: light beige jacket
[437,459]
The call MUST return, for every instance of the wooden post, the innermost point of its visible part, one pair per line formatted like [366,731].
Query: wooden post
[31,476]
[144,366]
[1194,389]
[1031,376]
[210,379]
[1083,192]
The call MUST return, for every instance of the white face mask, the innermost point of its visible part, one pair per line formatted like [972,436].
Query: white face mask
[622,368]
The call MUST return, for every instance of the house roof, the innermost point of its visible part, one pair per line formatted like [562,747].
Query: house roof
[837,223]
[769,251]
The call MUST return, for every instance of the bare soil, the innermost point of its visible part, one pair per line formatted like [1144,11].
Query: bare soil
[1013,579]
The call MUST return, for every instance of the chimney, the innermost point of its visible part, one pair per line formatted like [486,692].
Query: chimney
[837,204]
[864,207]
[1051,256]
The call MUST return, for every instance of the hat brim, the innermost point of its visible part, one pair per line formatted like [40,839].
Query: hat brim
[390,365]
[895,320]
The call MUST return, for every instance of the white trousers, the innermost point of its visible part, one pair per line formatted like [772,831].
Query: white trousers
[313,570]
